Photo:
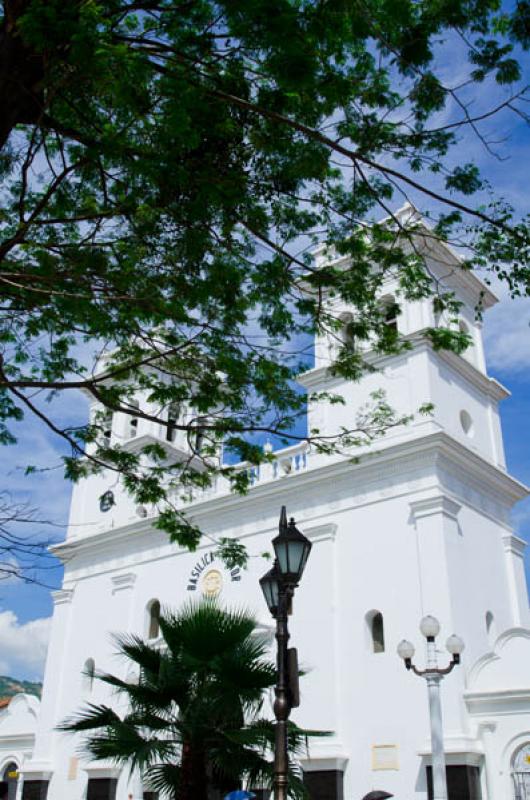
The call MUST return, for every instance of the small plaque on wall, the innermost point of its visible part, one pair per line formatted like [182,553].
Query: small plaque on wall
[72,768]
[385,756]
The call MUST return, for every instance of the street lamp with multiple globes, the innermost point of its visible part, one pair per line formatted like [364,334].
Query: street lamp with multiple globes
[291,549]
[430,628]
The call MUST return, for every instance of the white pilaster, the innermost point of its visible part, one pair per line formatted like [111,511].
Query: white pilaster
[514,548]
[435,518]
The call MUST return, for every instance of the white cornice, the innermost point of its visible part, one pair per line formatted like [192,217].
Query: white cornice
[436,504]
[61,596]
[324,763]
[18,740]
[513,544]
[38,771]
[475,699]
[467,370]
[394,463]
[427,243]
[102,770]
[420,341]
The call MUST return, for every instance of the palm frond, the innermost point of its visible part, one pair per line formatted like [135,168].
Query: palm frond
[163,779]
[91,717]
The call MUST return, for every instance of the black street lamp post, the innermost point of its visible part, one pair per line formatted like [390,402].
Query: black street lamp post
[292,550]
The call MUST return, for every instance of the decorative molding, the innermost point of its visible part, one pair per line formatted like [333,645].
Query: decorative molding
[458,749]
[124,581]
[495,654]
[486,726]
[37,772]
[519,697]
[513,544]
[405,467]
[436,504]
[18,740]
[323,764]
[61,596]
[491,387]
[319,533]
[102,770]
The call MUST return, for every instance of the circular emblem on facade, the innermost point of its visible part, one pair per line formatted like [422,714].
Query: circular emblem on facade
[209,579]
[212,583]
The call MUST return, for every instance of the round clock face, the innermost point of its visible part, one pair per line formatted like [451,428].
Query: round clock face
[106,501]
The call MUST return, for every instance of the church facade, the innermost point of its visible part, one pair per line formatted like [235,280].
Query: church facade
[420,524]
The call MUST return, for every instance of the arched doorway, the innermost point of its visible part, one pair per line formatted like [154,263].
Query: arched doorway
[521,773]
[8,786]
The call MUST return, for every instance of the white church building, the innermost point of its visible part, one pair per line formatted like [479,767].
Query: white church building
[420,524]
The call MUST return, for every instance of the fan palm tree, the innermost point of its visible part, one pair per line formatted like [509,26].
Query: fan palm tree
[193,725]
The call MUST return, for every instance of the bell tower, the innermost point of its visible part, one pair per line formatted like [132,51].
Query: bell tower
[464,398]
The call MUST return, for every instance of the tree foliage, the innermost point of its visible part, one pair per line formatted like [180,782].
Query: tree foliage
[193,722]
[167,166]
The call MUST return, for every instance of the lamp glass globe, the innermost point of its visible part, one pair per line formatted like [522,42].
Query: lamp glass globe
[405,649]
[430,627]
[455,645]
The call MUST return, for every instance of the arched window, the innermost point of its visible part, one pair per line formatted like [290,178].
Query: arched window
[376,631]
[200,435]
[173,415]
[463,327]
[521,772]
[491,628]
[390,310]
[89,671]
[107,427]
[347,337]
[133,421]
[10,779]
[153,619]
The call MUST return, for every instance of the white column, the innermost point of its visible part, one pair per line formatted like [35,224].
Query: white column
[53,679]
[439,782]
[491,755]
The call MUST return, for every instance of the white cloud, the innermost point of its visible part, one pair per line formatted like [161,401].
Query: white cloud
[23,646]
[507,333]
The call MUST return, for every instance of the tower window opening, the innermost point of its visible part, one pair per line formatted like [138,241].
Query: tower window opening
[153,619]
[200,436]
[133,421]
[463,328]
[173,415]
[347,337]
[390,310]
[376,631]
[107,427]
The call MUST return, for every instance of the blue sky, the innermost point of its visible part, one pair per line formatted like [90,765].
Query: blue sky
[25,608]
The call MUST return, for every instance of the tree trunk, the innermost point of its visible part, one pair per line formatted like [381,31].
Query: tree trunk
[194,781]
[21,74]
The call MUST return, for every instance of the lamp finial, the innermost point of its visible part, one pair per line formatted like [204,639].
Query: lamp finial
[283,520]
